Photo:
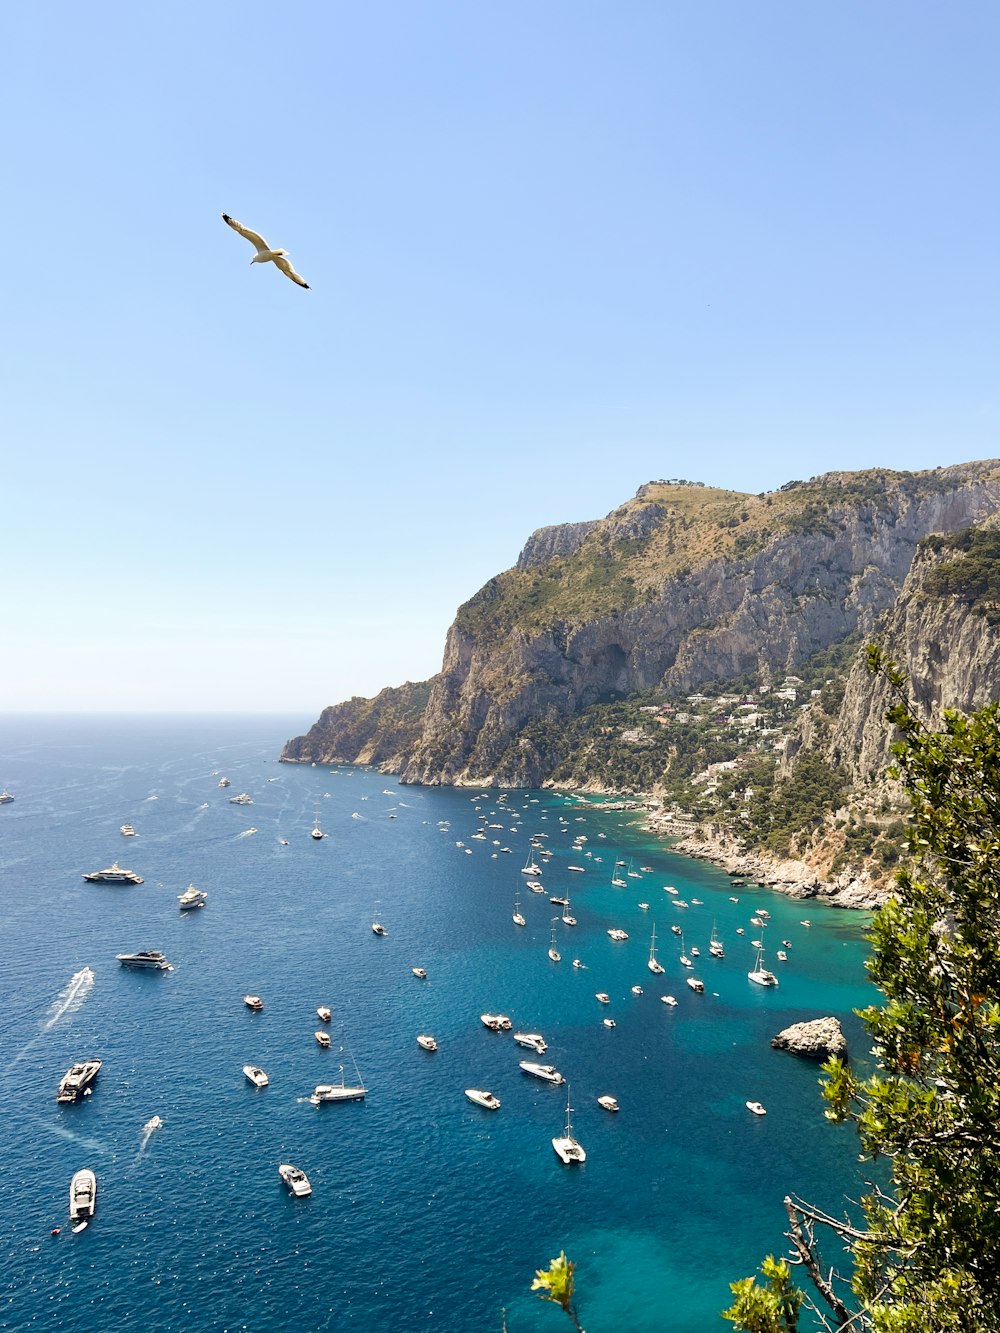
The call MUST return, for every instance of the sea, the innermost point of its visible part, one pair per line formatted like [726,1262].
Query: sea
[426,1211]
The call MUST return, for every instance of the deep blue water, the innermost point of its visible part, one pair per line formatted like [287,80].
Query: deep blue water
[426,1211]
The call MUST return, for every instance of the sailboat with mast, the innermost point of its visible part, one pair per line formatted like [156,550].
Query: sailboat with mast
[518,917]
[715,944]
[554,953]
[684,960]
[567,1148]
[317,832]
[654,963]
[760,975]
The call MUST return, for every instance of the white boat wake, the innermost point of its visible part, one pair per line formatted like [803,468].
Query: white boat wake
[148,1130]
[247,833]
[71,997]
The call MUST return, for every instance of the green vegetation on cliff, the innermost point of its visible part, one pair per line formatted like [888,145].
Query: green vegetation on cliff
[973,576]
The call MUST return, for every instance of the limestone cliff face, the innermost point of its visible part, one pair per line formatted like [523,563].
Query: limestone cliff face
[949,652]
[546,543]
[364,731]
[797,592]
[679,586]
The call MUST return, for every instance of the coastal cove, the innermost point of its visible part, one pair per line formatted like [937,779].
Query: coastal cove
[426,1210]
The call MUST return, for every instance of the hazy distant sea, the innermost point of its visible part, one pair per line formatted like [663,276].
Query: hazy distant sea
[426,1211]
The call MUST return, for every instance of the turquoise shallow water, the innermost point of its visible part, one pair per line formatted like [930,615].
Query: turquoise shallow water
[426,1211]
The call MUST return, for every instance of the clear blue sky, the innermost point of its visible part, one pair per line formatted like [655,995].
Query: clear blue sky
[556,249]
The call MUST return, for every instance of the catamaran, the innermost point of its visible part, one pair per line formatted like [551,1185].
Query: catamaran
[567,1148]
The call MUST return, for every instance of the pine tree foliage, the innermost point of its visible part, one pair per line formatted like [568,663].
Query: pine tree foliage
[926,1256]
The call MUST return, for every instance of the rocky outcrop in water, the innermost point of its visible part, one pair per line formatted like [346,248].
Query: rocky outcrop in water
[818,1039]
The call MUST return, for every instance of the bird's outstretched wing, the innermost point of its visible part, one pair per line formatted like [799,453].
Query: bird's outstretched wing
[286,267]
[252,236]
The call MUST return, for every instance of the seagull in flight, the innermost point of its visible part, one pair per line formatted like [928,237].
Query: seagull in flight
[264,251]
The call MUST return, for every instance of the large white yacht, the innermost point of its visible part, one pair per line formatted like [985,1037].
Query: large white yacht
[146,958]
[567,1148]
[5,797]
[533,1040]
[191,898]
[244,798]
[82,1198]
[77,1080]
[496,1022]
[113,874]
[427,1042]
[127,831]
[547,1072]
[253,1002]
[296,1180]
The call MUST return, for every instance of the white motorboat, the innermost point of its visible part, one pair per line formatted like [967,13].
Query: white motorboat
[419,972]
[82,1198]
[5,797]
[669,999]
[579,869]
[223,782]
[567,1148]
[533,884]
[654,964]
[496,1022]
[643,907]
[483,1098]
[609,1022]
[113,874]
[151,959]
[533,1040]
[548,1073]
[695,951]
[578,963]
[427,1042]
[191,898]
[296,1180]
[339,1092]
[603,996]
[75,1083]
[324,1013]
[518,917]
[377,927]
[244,798]
[253,1002]
[756,1108]
[697,986]
[322,1038]
[616,933]
[781,956]
[256,1076]
[127,831]
[608,1102]
[636,990]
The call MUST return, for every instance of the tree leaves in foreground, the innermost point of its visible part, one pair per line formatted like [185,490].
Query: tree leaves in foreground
[925,1258]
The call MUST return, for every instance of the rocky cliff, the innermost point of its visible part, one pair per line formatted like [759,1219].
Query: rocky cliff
[379,731]
[943,633]
[678,587]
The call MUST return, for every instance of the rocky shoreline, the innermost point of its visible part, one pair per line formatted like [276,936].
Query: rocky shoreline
[795,879]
